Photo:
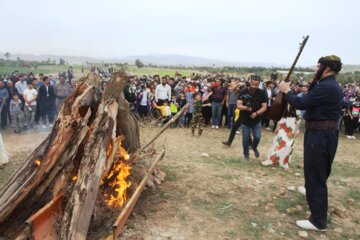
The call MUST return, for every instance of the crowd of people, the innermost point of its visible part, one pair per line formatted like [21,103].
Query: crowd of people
[220,101]
[28,101]
[219,94]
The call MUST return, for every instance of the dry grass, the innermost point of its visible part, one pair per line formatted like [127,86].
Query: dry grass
[223,197]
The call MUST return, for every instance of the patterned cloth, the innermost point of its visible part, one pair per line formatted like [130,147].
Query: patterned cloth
[280,151]
[197,120]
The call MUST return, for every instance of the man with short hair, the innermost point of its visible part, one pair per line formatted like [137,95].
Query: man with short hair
[323,104]
[218,98]
[47,102]
[30,95]
[20,87]
[162,92]
[270,93]
[4,96]
[252,103]
[62,90]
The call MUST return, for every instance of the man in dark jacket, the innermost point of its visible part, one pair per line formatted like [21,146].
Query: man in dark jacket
[47,102]
[4,96]
[269,90]
[323,104]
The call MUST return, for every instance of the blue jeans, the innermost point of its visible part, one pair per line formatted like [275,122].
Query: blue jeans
[182,119]
[231,112]
[246,138]
[216,113]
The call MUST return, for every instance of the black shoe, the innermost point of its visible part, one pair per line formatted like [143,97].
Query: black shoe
[257,154]
[227,144]
[246,158]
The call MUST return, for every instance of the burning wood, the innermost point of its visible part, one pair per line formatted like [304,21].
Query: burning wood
[90,159]
[76,157]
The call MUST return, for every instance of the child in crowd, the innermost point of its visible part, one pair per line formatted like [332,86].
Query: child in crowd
[17,116]
[182,102]
[174,109]
[165,111]
[197,114]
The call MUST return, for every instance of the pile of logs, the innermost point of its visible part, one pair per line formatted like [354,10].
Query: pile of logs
[78,159]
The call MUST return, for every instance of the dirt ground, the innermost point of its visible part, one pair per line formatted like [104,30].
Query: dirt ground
[224,197]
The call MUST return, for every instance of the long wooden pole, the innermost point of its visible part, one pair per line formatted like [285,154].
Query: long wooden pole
[172,120]
[121,220]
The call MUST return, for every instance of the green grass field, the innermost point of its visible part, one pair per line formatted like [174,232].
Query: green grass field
[54,69]
[47,69]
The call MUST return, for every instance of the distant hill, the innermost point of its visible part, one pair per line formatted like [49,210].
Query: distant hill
[45,57]
[157,59]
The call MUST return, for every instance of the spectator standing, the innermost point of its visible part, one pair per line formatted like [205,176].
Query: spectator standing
[62,90]
[4,96]
[231,99]
[270,93]
[47,102]
[352,118]
[143,101]
[17,115]
[30,96]
[218,99]
[20,87]
[12,91]
[182,102]
[162,92]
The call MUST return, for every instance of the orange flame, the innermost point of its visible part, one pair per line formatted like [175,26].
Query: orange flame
[116,183]
[119,185]
[37,162]
[122,153]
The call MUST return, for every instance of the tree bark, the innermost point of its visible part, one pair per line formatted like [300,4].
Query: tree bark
[87,124]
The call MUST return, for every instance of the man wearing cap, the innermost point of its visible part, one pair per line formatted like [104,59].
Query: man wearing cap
[323,104]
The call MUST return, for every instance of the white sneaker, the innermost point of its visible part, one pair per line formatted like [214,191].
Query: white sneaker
[348,137]
[217,127]
[213,126]
[306,224]
[43,126]
[238,132]
[268,129]
[353,137]
[267,162]
[302,190]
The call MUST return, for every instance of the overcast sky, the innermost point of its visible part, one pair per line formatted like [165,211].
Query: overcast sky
[232,30]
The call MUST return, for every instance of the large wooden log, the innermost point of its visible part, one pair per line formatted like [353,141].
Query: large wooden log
[77,146]
[29,188]
[78,211]
[113,121]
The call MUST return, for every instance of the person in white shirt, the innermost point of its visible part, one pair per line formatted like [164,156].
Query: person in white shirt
[162,92]
[30,95]
[21,85]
